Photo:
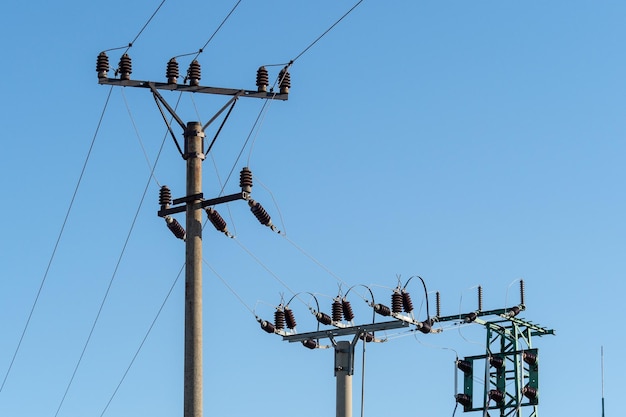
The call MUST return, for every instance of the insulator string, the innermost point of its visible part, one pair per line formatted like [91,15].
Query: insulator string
[58,240]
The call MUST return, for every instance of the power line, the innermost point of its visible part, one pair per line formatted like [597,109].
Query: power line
[58,240]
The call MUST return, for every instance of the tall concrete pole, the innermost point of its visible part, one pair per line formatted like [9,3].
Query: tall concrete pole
[194,145]
[344,360]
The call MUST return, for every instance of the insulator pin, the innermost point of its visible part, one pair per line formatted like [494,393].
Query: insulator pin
[309,343]
[426,327]
[471,317]
[165,197]
[172,73]
[175,227]
[530,392]
[407,304]
[279,319]
[267,326]
[464,366]
[102,65]
[514,311]
[262,79]
[396,302]
[348,314]
[216,220]
[125,67]
[284,81]
[193,73]
[382,309]
[323,318]
[289,318]
[367,337]
[497,362]
[496,395]
[529,358]
[337,310]
[245,180]
[463,399]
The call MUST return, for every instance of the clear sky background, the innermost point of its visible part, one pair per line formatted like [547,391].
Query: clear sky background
[467,142]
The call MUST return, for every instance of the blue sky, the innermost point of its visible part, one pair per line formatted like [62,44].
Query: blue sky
[469,143]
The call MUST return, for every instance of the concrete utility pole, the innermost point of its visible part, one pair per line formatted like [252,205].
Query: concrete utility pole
[193,203]
[194,144]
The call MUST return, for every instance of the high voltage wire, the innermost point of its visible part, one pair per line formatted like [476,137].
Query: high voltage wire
[58,240]
[140,205]
[67,214]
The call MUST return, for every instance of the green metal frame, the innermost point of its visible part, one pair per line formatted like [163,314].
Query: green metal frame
[509,339]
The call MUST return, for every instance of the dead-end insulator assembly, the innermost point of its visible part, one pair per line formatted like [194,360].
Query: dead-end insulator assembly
[267,326]
[125,67]
[284,79]
[217,221]
[193,73]
[102,65]
[259,212]
[262,80]
[172,73]
[175,227]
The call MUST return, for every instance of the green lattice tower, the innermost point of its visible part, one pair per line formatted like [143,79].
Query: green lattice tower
[511,369]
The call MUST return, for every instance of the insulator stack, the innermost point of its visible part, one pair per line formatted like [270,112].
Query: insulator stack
[496,396]
[464,366]
[530,392]
[407,304]
[193,73]
[464,399]
[267,326]
[216,220]
[165,197]
[172,73]
[279,318]
[262,79]
[125,67]
[337,310]
[426,327]
[496,361]
[471,317]
[284,80]
[396,302]
[367,337]
[514,311]
[480,298]
[348,314]
[309,343]
[382,309]
[438,303]
[323,318]
[102,65]
[529,358]
[289,318]
[522,292]
[260,213]
[175,227]
[245,180]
